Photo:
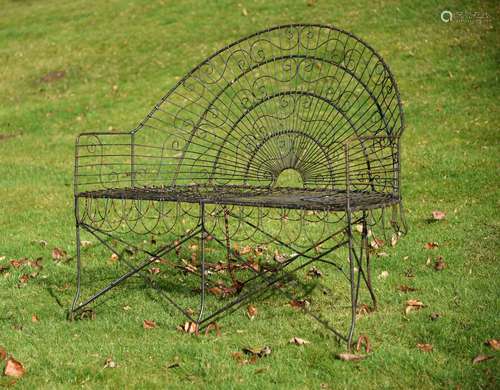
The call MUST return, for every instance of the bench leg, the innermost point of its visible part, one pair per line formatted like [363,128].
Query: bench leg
[203,234]
[71,313]
[366,248]
[354,280]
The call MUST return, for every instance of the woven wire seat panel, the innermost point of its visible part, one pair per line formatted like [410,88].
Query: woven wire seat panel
[280,197]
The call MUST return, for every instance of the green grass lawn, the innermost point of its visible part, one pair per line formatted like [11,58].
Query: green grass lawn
[119,57]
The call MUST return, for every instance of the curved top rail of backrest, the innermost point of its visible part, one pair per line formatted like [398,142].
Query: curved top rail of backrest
[283,98]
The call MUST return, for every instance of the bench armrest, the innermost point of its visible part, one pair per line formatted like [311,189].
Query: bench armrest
[103,160]
[372,163]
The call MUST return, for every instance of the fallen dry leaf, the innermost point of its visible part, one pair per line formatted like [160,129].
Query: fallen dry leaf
[238,356]
[413,304]
[493,343]
[298,341]
[383,275]
[405,288]
[350,357]
[245,250]
[58,254]
[148,324]
[425,347]
[3,353]
[189,327]
[438,215]
[85,244]
[363,309]
[154,270]
[481,358]
[278,257]
[314,272]
[109,363]
[251,311]
[213,326]
[431,245]
[16,263]
[259,352]
[439,265]
[13,368]
[24,278]
[376,243]
[394,239]
[434,316]
[363,340]
[53,76]
[299,303]
[193,247]
[34,318]
[114,257]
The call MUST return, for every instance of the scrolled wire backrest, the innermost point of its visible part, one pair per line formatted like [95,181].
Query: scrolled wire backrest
[284,98]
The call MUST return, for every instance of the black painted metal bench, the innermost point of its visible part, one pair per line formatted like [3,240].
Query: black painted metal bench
[295,125]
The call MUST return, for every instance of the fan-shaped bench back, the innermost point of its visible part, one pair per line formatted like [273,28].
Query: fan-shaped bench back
[284,98]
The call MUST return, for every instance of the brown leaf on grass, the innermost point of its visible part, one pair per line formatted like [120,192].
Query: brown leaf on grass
[154,270]
[251,311]
[493,343]
[24,278]
[246,250]
[394,239]
[376,243]
[413,304]
[278,257]
[363,341]
[3,353]
[350,357]
[213,326]
[37,264]
[193,247]
[148,324]
[110,363]
[404,288]
[189,327]
[240,359]
[58,254]
[438,215]
[34,318]
[85,244]
[431,245]
[314,272]
[299,303]
[259,250]
[439,265]
[217,291]
[259,352]
[363,309]
[16,263]
[481,358]
[53,76]
[298,341]
[114,257]
[434,316]
[425,347]
[14,368]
